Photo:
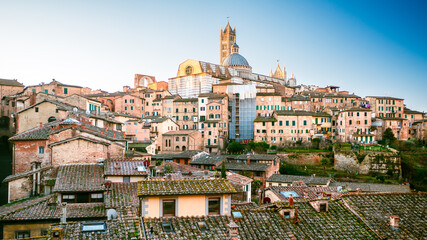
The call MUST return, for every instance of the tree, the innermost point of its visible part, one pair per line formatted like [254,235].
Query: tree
[256,184]
[388,136]
[235,147]
[315,143]
[223,174]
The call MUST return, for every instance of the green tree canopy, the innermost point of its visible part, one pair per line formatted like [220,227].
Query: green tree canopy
[235,147]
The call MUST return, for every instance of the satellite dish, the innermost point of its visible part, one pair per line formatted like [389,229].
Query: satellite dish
[75,109]
[112,214]
[87,112]
[339,188]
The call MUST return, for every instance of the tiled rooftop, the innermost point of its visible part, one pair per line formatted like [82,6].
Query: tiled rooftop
[184,187]
[256,157]
[282,178]
[126,167]
[372,187]
[129,228]
[80,178]
[210,160]
[122,196]
[277,190]
[255,167]
[238,179]
[337,223]
[47,208]
[41,133]
[376,209]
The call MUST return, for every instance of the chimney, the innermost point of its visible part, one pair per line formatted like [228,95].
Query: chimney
[358,191]
[64,212]
[291,200]
[248,160]
[394,221]
[40,124]
[233,230]
[114,135]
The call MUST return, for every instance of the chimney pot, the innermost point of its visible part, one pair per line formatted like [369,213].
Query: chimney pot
[248,160]
[394,221]
[41,124]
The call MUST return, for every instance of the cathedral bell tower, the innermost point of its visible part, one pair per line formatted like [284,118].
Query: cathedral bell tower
[227,40]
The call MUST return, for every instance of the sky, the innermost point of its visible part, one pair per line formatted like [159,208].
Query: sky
[367,47]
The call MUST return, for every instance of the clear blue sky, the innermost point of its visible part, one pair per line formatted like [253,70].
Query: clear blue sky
[366,47]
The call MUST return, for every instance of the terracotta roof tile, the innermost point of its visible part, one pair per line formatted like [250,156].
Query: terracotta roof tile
[126,167]
[184,187]
[79,178]
[376,210]
[47,208]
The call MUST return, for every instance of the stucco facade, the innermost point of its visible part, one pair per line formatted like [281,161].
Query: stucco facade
[185,205]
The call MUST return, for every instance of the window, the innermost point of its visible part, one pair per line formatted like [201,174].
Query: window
[213,206]
[65,90]
[126,101]
[41,150]
[293,123]
[183,138]
[126,179]
[287,215]
[168,207]
[305,122]
[36,109]
[280,123]
[323,207]
[167,227]
[96,197]
[22,234]
[188,70]
[69,198]
[177,139]
[287,123]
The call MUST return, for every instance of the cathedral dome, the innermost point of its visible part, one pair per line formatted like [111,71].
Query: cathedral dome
[235,60]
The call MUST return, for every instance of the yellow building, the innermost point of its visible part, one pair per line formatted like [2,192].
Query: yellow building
[181,198]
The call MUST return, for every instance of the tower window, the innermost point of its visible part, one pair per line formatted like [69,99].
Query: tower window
[189,70]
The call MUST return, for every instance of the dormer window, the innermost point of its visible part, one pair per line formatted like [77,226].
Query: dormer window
[167,227]
[203,227]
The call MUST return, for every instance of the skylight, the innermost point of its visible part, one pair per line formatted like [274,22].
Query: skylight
[94,227]
[287,194]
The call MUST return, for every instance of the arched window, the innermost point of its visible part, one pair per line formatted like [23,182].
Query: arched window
[189,70]
[51,119]
[183,148]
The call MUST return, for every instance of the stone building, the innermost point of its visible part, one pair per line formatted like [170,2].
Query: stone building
[64,142]
[185,113]
[181,140]
[7,108]
[214,122]
[179,198]
[389,107]
[354,125]
[57,88]
[290,126]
